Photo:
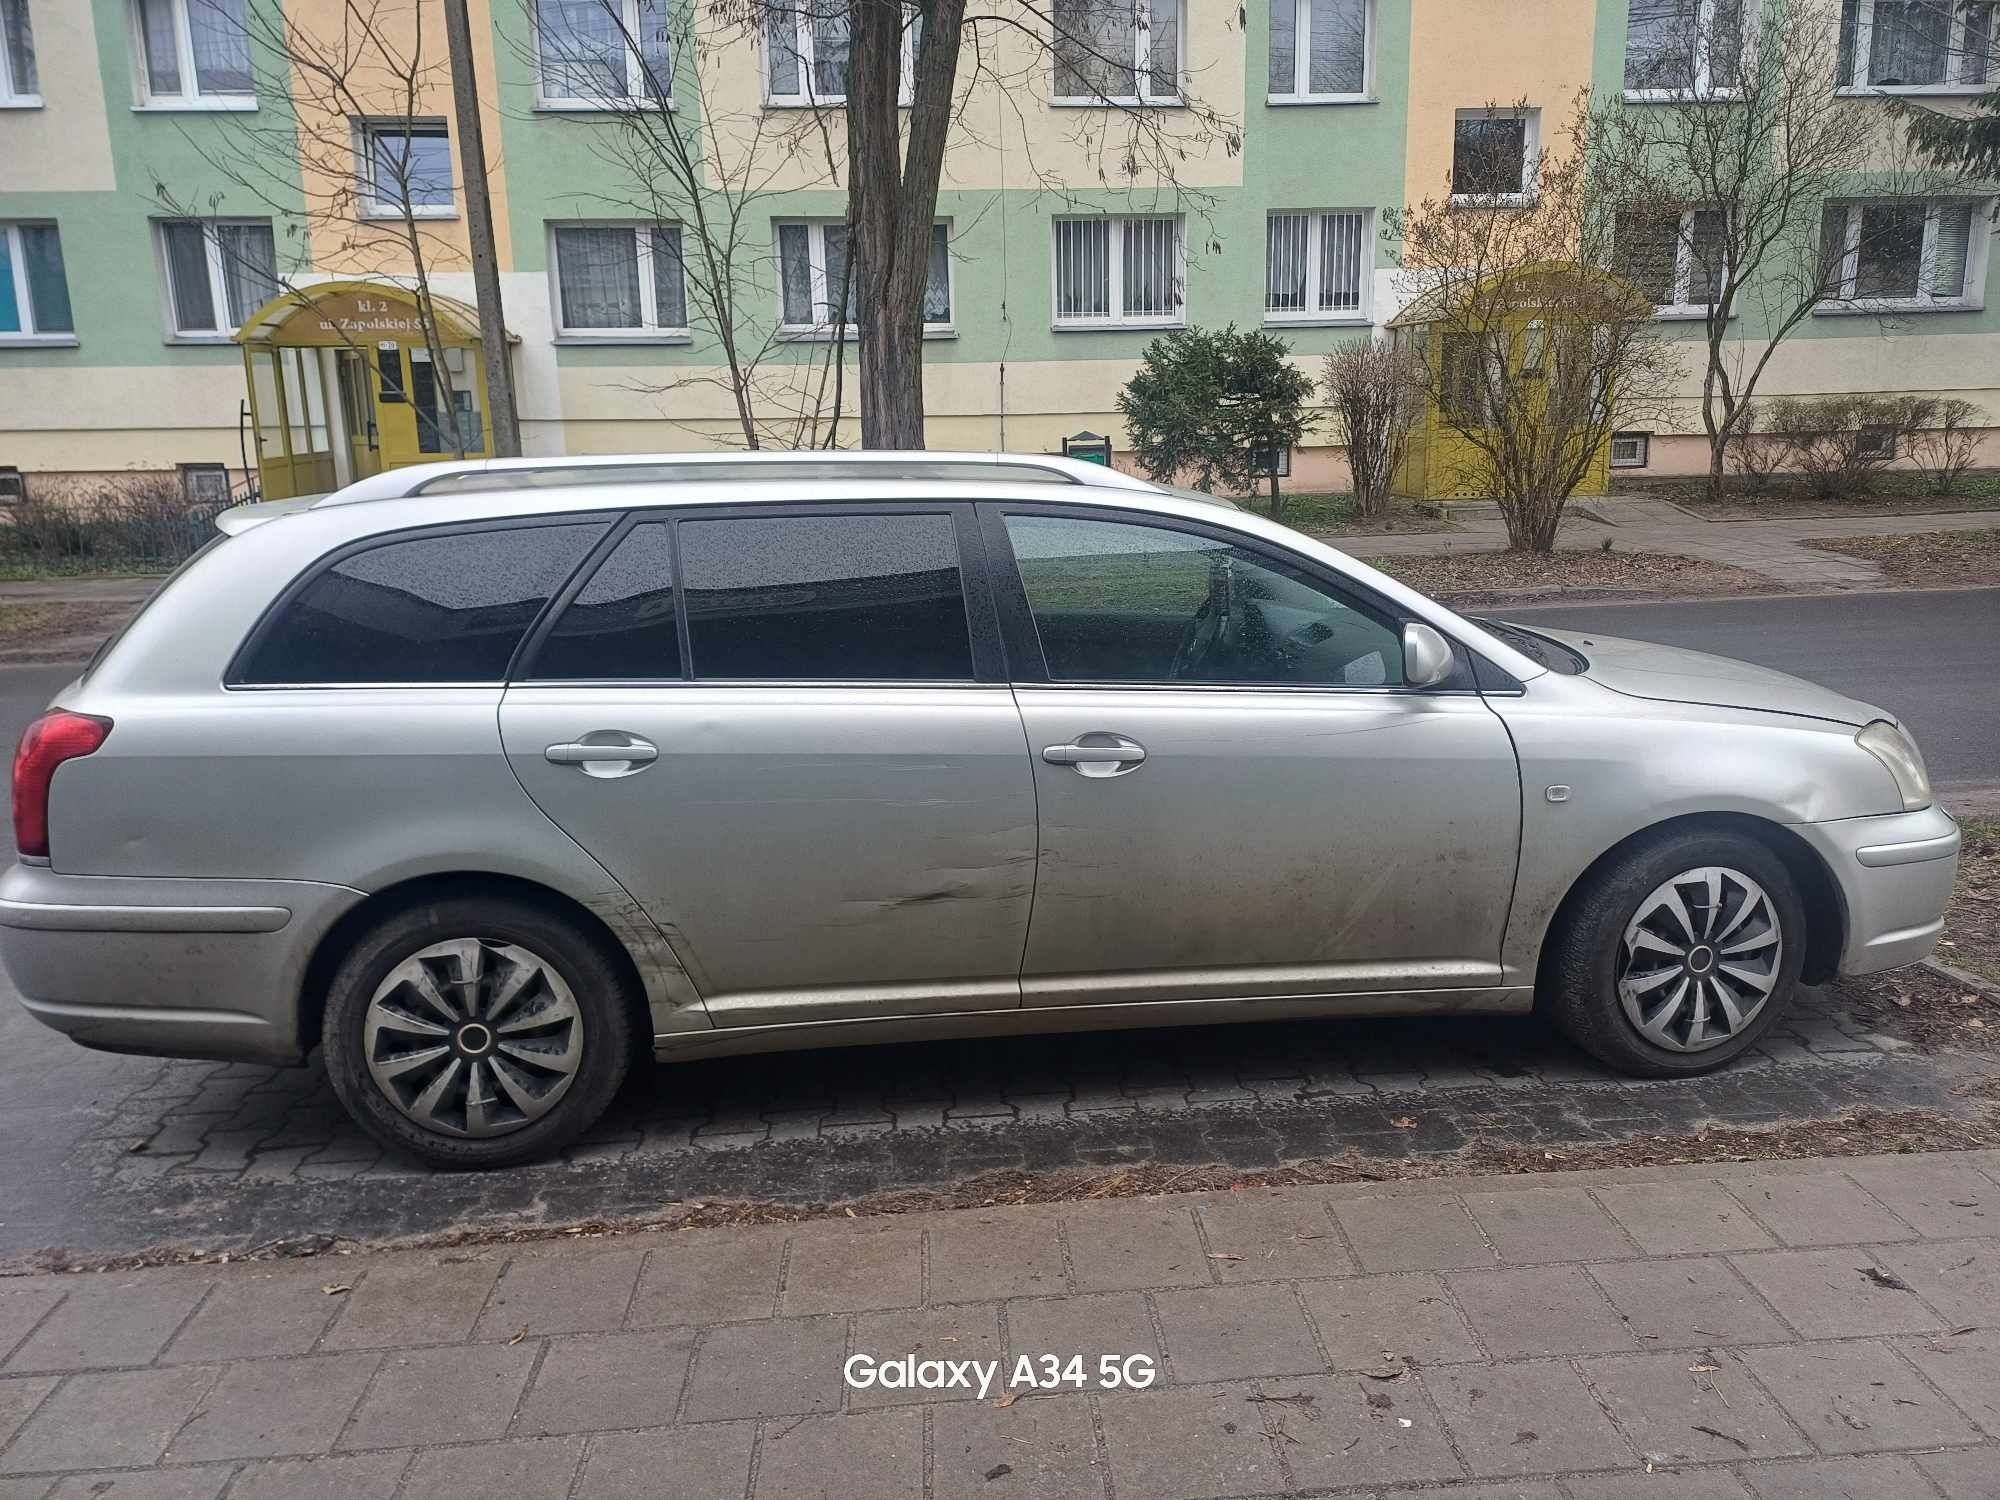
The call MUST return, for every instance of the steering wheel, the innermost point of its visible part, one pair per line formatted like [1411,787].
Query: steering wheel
[1219,619]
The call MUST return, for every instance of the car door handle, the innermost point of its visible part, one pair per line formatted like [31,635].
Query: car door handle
[1097,754]
[614,752]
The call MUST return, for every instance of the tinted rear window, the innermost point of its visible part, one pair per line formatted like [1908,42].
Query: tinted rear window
[861,598]
[620,625]
[431,609]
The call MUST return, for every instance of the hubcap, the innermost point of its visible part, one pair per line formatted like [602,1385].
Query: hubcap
[473,1038]
[1699,959]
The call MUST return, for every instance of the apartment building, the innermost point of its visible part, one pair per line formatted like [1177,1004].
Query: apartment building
[164,173]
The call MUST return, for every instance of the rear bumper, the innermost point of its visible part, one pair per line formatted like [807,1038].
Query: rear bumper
[173,968]
[1895,874]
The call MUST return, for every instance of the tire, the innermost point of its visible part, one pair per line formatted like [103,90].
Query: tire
[561,1040]
[1587,964]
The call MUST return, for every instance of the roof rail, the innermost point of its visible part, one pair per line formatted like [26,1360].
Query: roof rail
[463,476]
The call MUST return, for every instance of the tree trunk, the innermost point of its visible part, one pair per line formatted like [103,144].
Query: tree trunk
[1718,448]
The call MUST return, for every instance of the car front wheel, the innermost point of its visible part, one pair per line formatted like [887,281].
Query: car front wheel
[477,1033]
[1678,956]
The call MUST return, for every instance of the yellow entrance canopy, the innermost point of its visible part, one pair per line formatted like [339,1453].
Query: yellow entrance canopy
[355,313]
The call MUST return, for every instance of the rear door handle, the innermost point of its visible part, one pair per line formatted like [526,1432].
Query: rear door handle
[1097,754]
[606,752]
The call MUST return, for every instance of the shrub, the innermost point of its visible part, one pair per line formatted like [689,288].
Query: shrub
[1839,443]
[141,526]
[1373,392]
[1754,455]
[1944,449]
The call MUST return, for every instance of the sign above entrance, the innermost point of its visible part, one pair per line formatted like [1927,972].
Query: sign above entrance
[356,314]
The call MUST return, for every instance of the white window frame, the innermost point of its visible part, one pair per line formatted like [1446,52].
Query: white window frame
[1301,92]
[1531,154]
[1311,315]
[1115,276]
[188,475]
[1142,69]
[218,282]
[1856,81]
[1681,307]
[650,330]
[9,99]
[375,209]
[29,334]
[820,331]
[190,96]
[1704,83]
[1645,442]
[635,95]
[1977,244]
[805,97]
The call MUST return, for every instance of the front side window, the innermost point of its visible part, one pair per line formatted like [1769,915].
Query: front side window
[1909,255]
[1117,51]
[428,610]
[805,52]
[219,272]
[1493,155]
[1679,260]
[34,292]
[620,279]
[1119,602]
[1683,47]
[19,87]
[406,165]
[818,598]
[194,53]
[1120,271]
[1316,265]
[620,627]
[1917,44]
[596,53]
[816,288]
[1320,48]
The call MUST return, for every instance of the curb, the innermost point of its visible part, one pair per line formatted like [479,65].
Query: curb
[1985,987]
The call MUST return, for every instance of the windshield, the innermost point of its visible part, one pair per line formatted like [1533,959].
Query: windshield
[1554,655]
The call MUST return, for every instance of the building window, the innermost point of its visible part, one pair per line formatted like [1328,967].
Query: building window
[1906,255]
[1117,51]
[204,484]
[34,292]
[13,485]
[1916,44]
[624,280]
[1316,266]
[19,88]
[815,285]
[1493,155]
[1124,271]
[602,53]
[1875,442]
[194,54]
[1678,260]
[1320,49]
[1631,450]
[1682,48]
[805,53]
[406,162]
[219,272]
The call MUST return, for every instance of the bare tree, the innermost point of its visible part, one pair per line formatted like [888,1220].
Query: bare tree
[1372,393]
[905,76]
[345,167]
[1728,163]
[1533,354]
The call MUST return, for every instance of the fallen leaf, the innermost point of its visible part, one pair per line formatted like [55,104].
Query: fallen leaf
[1008,1400]
[1703,1369]
[1405,1122]
[999,1471]
[1225,1257]
[335,1288]
[518,1336]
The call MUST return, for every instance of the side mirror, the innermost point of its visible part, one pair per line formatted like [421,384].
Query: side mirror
[1427,656]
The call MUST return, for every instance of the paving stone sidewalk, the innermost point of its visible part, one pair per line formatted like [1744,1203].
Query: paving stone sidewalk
[1773,548]
[1813,1328]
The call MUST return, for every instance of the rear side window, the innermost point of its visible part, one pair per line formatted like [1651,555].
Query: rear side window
[431,609]
[620,625]
[861,598]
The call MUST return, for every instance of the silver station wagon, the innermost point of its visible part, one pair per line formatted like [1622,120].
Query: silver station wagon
[487,779]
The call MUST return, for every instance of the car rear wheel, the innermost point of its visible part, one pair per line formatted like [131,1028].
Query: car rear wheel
[477,1033]
[1678,956]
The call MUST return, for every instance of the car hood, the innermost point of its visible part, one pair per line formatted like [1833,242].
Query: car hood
[1641,669]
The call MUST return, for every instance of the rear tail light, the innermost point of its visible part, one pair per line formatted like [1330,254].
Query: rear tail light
[55,737]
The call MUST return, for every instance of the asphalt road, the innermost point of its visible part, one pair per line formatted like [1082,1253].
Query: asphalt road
[1932,658]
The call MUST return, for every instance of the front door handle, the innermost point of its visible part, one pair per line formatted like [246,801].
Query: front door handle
[605,752]
[1097,754]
